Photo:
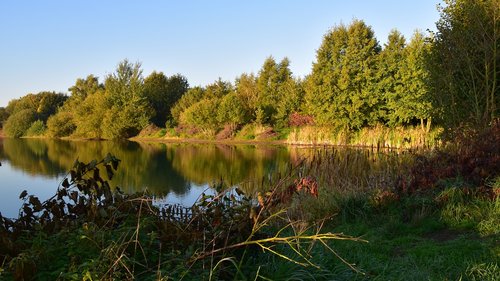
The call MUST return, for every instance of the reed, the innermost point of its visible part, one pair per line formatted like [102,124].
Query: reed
[378,137]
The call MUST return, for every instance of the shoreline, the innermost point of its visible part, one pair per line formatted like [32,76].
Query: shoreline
[226,142]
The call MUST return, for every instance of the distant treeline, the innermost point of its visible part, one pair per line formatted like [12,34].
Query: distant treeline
[449,77]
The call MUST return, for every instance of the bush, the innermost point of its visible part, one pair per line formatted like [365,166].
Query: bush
[473,156]
[61,125]
[37,128]
[19,122]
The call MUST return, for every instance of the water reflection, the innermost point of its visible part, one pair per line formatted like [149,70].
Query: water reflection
[159,168]
[176,171]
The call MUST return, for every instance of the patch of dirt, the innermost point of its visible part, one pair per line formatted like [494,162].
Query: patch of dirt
[443,235]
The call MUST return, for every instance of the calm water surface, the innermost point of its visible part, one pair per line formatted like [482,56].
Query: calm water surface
[178,173]
[175,172]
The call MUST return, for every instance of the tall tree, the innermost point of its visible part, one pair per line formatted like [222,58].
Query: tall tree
[465,62]
[389,86]
[341,89]
[272,84]
[246,88]
[415,102]
[162,93]
[130,111]
[84,87]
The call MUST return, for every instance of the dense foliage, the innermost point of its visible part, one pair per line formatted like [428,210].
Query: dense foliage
[465,62]
[446,79]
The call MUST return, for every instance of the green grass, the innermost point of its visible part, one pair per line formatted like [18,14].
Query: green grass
[429,249]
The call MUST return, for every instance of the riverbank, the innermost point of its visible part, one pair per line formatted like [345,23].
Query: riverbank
[377,137]
[374,137]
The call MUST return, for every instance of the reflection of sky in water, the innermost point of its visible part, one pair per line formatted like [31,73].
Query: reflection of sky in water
[187,199]
[13,182]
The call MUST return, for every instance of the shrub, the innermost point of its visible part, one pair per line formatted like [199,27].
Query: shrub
[37,128]
[473,156]
[61,124]
[298,120]
[19,122]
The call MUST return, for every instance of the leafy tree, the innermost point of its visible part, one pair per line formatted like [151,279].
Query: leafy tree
[37,128]
[19,122]
[4,114]
[85,87]
[390,85]
[162,93]
[34,107]
[218,89]
[192,96]
[64,123]
[61,124]
[273,81]
[465,62]
[231,110]
[202,114]
[48,104]
[341,89]
[90,114]
[246,89]
[415,101]
[129,111]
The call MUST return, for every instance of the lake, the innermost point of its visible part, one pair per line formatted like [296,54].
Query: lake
[178,173]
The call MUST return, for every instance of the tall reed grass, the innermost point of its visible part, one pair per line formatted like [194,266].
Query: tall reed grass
[378,136]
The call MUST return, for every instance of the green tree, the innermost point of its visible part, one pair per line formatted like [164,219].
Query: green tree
[192,96]
[48,104]
[246,88]
[19,122]
[272,84]
[390,85]
[4,115]
[61,124]
[89,115]
[465,62]
[341,90]
[232,111]
[37,128]
[415,102]
[202,114]
[34,107]
[84,87]
[162,93]
[69,116]
[129,112]
[218,89]
[292,95]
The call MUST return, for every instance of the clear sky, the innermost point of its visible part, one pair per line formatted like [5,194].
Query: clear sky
[47,45]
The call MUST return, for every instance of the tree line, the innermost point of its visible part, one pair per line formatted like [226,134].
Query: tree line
[447,77]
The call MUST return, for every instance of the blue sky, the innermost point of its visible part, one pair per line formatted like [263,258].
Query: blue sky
[47,45]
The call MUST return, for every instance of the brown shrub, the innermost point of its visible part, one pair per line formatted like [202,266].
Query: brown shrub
[298,120]
[473,156]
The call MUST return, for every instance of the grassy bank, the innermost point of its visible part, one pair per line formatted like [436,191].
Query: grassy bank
[377,136]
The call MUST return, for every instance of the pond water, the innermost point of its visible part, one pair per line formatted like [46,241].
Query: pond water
[174,172]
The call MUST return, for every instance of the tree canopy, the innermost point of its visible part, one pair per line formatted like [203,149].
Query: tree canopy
[448,77]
